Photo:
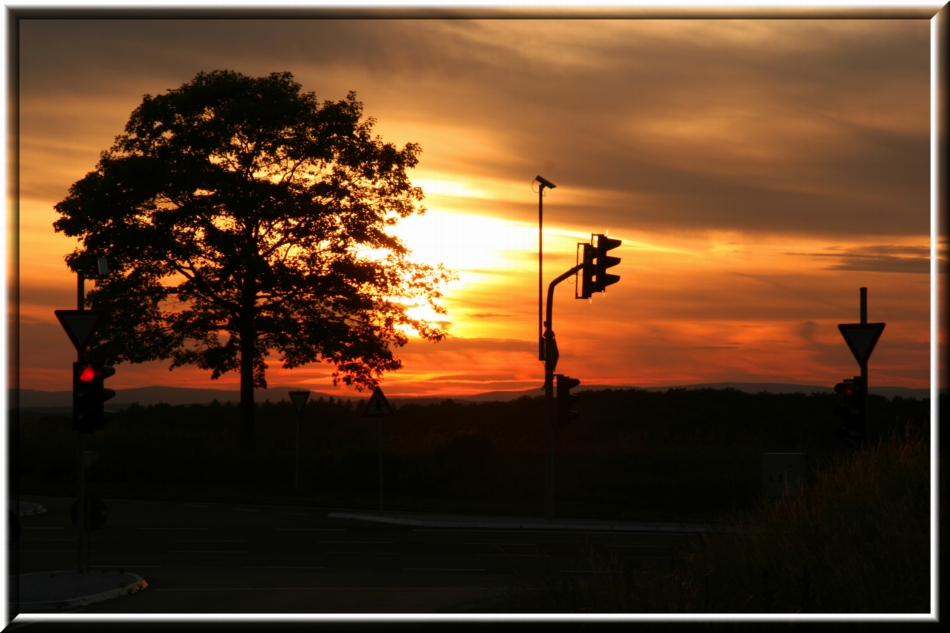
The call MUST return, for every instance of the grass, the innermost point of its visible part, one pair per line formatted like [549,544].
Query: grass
[857,540]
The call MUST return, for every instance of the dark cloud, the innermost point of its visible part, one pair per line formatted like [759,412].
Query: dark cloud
[880,258]
[800,126]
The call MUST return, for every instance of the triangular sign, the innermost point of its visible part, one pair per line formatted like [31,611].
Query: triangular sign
[299,398]
[377,405]
[80,325]
[861,338]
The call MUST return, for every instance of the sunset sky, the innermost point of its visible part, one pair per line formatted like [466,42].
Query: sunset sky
[758,172]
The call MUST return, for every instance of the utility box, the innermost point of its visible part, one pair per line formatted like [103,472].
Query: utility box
[781,471]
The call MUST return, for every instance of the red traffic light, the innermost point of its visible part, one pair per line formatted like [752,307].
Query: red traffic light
[88,374]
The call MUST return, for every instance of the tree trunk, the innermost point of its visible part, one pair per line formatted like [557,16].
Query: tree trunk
[247,385]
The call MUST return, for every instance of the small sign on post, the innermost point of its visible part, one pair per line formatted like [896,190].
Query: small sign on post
[378,407]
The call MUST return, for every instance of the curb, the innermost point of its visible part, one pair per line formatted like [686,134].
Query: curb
[679,528]
[138,584]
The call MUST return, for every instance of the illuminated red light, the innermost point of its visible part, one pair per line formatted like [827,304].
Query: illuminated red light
[88,373]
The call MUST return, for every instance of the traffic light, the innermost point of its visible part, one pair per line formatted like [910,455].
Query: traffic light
[602,278]
[89,394]
[585,288]
[565,399]
[852,411]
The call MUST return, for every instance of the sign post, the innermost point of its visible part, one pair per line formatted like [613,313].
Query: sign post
[299,398]
[80,325]
[861,339]
[378,407]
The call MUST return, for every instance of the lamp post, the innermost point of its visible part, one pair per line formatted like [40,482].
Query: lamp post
[543,182]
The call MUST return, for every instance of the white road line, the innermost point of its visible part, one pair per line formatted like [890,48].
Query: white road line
[296,514]
[203,540]
[552,532]
[238,589]
[504,544]
[48,550]
[514,555]
[110,567]
[172,528]
[278,567]
[437,569]
[310,529]
[32,527]
[354,553]
[151,503]
[198,551]
[358,542]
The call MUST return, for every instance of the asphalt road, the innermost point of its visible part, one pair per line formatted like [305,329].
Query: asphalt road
[234,558]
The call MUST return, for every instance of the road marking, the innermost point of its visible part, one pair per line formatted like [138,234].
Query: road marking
[115,567]
[193,505]
[34,540]
[515,555]
[32,527]
[310,529]
[437,569]
[354,553]
[552,531]
[48,550]
[238,589]
[296,514]
[173,528]
[278,567]
[503,544]
[358,542]
[151,503]
[203,540]
[198,551]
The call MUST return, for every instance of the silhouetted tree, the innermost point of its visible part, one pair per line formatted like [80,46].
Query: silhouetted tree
[241,216]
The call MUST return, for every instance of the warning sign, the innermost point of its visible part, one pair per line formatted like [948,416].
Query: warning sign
[861,338]
[377,405]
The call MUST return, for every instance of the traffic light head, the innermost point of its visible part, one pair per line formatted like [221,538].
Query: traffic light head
[584,288]
[565,399]
[602,278]
[851,411]
[89,394]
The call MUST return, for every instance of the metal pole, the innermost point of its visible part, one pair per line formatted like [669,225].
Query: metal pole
[379,435]
[297,460]
[864,367]
[541,341]
[80,461]
[548,432]
[549,396]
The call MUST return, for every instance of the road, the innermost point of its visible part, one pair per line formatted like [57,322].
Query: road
[238,558]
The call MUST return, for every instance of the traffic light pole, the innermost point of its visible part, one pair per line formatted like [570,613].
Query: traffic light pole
[80,460]
[550,359]
[864,367]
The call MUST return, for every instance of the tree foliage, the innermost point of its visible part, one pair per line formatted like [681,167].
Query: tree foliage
[242,216]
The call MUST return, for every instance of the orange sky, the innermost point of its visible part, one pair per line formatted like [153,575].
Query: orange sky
[758,172]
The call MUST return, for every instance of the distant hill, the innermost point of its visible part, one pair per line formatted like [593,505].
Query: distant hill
[61,401]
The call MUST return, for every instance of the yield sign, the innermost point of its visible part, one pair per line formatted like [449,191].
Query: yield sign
[377,405]
[79,325]
[861,338]
[299,398]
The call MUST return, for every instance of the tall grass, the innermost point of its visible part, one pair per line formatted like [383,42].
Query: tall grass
[856,540]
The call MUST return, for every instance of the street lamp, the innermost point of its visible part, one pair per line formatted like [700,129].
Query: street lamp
[543,182]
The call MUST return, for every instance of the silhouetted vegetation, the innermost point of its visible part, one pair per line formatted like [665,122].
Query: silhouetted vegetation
[856,540]
[631,454]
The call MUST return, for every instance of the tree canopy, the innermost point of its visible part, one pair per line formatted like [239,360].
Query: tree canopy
[241,216]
